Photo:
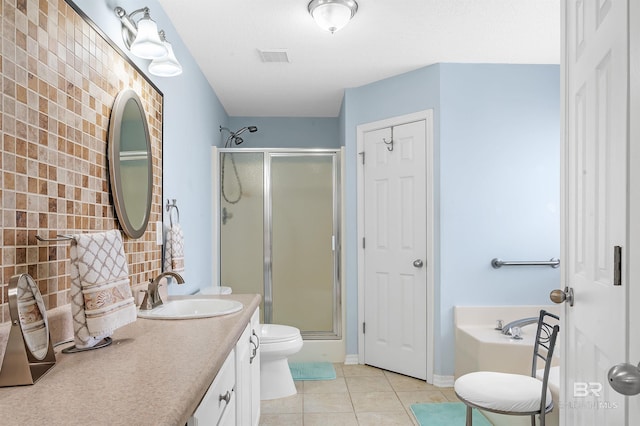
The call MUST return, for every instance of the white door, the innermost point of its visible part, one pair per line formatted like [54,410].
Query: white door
[634,203]
[395,249]
[595,66]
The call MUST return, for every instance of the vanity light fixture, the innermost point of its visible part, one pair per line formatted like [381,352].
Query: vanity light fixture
[144,40]
[167,66]
[332,15]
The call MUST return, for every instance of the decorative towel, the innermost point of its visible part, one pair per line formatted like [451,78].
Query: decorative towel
[174,249]
[101,299]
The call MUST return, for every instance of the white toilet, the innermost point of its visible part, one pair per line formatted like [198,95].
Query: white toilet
[215,290]
[276,344]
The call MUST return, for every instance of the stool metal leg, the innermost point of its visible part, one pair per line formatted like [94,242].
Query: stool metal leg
[469,416]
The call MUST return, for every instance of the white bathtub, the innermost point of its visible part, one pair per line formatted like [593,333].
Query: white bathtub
[479,347]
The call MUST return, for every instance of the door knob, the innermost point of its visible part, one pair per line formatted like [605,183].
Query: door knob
[559,296]
[625,378]
[418,263]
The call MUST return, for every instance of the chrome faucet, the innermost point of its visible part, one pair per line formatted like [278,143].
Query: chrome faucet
[506,329]
[152,297]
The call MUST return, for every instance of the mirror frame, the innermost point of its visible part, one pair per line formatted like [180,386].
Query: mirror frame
[114,144]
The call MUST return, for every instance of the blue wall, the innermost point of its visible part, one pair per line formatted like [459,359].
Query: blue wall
[192,114]
[499,187]
[287,132]
[497,150]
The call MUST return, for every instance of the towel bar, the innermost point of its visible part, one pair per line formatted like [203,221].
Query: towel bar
[169,208]
[58,238]
[498,263]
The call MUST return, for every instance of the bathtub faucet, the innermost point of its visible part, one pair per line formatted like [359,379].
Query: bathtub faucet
[518,323]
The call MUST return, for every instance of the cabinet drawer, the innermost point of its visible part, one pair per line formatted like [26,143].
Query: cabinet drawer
[220,397]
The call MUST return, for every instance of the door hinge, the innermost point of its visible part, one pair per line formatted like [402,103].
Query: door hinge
[364,327]
[363,242]
[362,154]
[617,265]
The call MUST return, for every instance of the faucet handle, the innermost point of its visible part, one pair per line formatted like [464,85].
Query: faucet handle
[146,303]
[154,293]
[516,333]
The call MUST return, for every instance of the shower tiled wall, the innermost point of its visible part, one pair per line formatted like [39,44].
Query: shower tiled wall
[59,81]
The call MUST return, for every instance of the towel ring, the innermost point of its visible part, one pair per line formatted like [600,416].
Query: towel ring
[170,207]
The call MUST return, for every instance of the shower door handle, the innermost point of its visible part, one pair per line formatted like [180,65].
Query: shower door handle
[418,263]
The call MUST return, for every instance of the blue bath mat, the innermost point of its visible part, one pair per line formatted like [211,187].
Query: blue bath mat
[312,370]
[446,414]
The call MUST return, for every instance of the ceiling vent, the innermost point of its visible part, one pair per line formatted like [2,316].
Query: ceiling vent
[274,55]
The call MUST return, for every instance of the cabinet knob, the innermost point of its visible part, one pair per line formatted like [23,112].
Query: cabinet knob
[226,397]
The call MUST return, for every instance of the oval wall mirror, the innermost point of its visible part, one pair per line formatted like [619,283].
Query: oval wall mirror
[130,163]
[33,316]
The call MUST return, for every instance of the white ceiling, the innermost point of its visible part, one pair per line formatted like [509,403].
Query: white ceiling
[385,38]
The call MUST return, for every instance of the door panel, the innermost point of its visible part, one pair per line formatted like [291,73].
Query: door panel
[395,237]
[595,213]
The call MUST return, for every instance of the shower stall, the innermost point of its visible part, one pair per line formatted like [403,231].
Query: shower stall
[279,234]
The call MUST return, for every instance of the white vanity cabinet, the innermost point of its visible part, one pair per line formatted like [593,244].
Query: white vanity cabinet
[218,406]
[248,374]
[234,396]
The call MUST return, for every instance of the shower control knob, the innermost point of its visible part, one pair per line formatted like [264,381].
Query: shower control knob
[418,263]
[559,296]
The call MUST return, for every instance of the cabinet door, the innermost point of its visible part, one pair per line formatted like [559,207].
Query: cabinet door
[219,401]
[243,378]
[229,416]
[255,367]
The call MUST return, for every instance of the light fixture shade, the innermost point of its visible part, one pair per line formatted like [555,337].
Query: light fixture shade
[147,44]
[167,66]
[332,15]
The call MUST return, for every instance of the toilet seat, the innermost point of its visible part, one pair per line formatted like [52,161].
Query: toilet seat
[277,333]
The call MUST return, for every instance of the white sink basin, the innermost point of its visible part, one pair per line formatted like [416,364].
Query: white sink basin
[192,308]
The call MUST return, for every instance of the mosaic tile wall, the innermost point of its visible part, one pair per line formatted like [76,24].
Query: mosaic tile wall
[59,81]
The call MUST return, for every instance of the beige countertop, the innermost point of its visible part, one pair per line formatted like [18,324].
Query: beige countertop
[154,373]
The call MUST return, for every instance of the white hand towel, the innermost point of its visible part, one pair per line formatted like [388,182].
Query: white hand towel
[101,299]
[174,249]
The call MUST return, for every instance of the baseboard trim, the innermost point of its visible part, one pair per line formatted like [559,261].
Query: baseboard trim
[351,359]
[443,381]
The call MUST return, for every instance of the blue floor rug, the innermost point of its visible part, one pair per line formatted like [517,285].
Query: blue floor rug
[312,370]
[446,414]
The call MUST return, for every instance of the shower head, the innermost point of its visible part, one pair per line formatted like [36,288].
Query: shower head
[251,129]
[235,136]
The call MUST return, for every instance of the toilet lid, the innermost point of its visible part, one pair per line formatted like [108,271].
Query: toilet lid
[273,333]
[215,290]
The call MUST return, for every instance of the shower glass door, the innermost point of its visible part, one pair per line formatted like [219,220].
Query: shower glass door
[287,247]
[302,241]
[242,222]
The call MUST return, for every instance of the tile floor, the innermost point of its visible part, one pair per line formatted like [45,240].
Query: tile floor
[360,395]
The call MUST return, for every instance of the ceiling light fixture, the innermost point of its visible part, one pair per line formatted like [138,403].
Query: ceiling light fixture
[332,15]
[144,40]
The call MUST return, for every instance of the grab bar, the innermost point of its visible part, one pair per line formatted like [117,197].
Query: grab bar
[498,263]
